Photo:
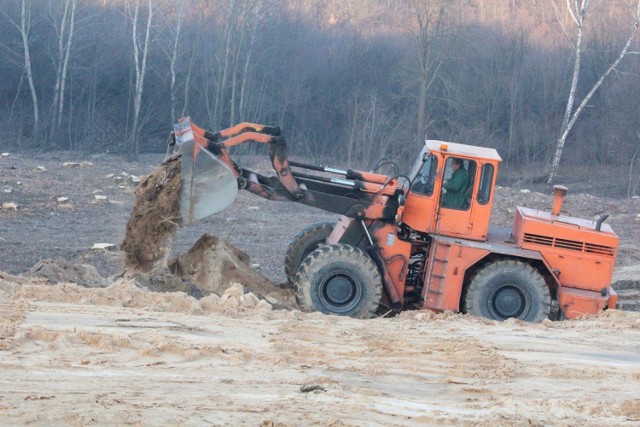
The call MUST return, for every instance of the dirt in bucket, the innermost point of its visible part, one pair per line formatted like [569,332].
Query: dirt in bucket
[154,218]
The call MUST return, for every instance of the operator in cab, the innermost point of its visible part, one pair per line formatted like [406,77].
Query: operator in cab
[456,186]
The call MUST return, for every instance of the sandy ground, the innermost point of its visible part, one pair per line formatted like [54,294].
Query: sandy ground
[121,355]
[72,355]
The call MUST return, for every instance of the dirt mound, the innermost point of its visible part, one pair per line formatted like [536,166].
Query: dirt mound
[209,268]
[164,280]
[60,270]
[122,293]
[154,218]
[212,264]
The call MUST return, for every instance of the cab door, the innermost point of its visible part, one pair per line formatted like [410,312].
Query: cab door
[422,201]
[455,215]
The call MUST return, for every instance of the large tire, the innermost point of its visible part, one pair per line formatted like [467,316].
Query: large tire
[339,279]
[305,242]
[508,288]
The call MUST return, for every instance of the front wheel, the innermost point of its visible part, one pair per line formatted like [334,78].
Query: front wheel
[303,243]
[506,289]
[339,279]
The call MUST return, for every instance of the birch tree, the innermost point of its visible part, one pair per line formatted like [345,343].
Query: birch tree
[23,25]
[250,24]
[171,48]
[578,12]
[634,180]
[140,54]
[64,30]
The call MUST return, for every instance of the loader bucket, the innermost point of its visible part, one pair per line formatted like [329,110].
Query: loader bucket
[208,185]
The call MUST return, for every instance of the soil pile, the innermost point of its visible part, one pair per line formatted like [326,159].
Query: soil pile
[164,280]
[209,267]
[154,218]
[212,264]
[60,270]
[233,300]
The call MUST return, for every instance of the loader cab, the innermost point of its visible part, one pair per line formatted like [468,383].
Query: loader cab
[451,191]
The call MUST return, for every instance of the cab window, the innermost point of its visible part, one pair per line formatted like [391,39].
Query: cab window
[457,187]
[425,179]
[486,179]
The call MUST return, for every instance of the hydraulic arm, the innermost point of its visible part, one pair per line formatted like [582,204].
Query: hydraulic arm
[209,173]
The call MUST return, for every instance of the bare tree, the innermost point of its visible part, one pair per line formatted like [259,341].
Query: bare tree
[633,182]
[430,17]
[252,23]
[23,25]
[578,13]
[140,54]
[64,32]
[224,64]
[171,49]
[195,41]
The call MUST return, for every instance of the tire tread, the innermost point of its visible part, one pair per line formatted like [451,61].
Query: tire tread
[300,242]
[324,255]
[472,298]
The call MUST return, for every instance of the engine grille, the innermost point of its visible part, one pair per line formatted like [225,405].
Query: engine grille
[572,245]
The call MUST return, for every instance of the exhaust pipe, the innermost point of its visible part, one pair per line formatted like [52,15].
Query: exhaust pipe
[559,191]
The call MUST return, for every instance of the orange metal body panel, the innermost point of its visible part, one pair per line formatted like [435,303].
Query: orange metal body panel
[375,178]
[376,210]
[338,231]
[395,253]
[241,128]
[613,298]
[579,256]
[444,281]
[419,212]
[578,302]
[388,190]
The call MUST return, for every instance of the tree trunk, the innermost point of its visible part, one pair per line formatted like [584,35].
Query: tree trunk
[247,62]
[174,59]
[65,65]
[579,18]
[25,27]
[570,120]
[65,40]
[140,72]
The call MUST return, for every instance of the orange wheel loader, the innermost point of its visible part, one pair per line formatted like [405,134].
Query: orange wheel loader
[404,241]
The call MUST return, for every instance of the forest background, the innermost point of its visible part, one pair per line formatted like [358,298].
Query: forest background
[348,81]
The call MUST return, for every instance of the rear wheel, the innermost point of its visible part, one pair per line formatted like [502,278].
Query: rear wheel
[506,289]
[339,279]
[305,242]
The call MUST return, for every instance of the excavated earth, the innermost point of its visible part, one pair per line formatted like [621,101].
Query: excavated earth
[180,327]
[154,218]
[211,264]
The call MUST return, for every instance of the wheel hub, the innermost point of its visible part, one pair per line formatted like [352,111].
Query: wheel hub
[340,292]
[508,301]
[339,289]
